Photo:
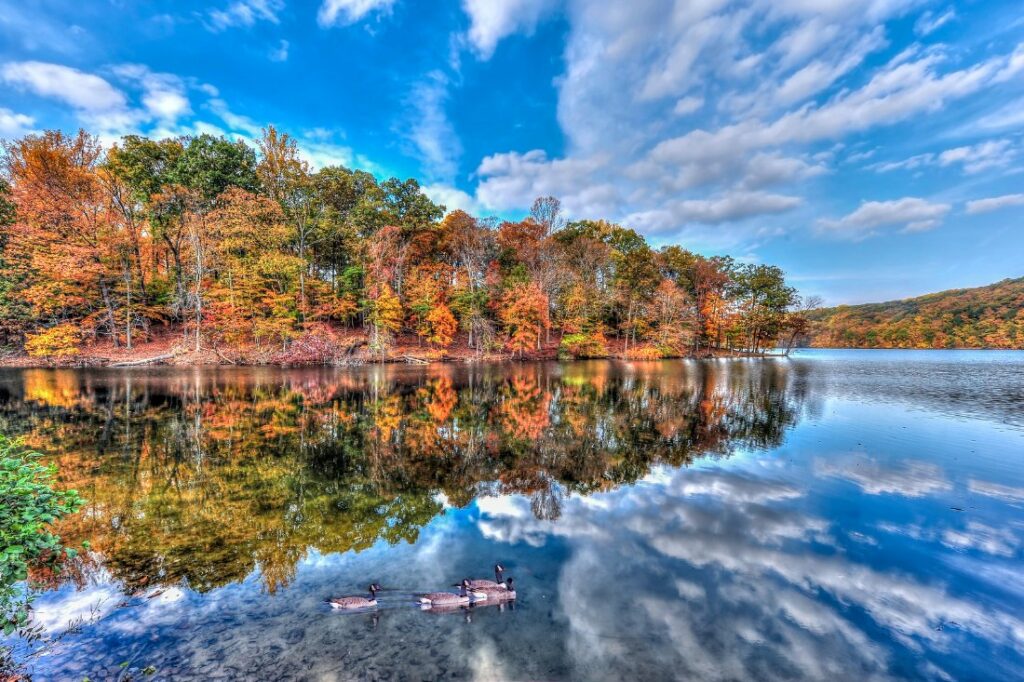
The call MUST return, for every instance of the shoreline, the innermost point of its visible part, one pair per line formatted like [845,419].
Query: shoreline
[204,359]
[94,362]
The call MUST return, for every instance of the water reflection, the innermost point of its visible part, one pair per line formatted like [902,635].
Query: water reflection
[206,475]
[714,521]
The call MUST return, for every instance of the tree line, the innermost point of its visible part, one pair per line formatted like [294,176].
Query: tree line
[251,249]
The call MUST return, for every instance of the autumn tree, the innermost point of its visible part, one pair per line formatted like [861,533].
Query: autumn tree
[523,311]
[64,230]
[256,276]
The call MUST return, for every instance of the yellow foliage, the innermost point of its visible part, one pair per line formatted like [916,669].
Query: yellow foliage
[56,342]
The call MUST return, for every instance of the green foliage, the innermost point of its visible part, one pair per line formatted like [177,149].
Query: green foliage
[144,165]
[7,209]
[29,503]
[984,317]
[583,346]
[211,165]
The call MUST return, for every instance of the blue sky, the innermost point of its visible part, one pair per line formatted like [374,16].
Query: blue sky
[872,148]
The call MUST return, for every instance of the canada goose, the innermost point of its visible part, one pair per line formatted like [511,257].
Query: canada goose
[504,592]
[497,582]
[464,596]
[357,602]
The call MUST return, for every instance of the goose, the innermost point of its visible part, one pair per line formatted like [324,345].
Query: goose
[357,602]
[464,596]
[497,582]
[504,592]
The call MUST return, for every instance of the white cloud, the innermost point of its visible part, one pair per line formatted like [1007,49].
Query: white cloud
[979,157]
[13,124]
[83,91]
[914,214]
[164,95]
[727,208]
[452,198]
[687,105]
[492,20]
[245,13]
[930,21]
[973,158]
[430,130]
[1006,117]
[513,180]
[280,53]
[345,12]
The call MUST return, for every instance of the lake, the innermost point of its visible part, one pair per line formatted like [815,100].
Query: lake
[834,515]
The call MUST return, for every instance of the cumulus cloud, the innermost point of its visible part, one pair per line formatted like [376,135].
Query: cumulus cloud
[244,13]
[13,124]
[492,20]
[452,198]
[141,99]
[345,12]
[164,95]
[914,214]
[727,208]
[83,91]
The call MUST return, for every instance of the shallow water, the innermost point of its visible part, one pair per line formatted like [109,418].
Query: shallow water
[834,515]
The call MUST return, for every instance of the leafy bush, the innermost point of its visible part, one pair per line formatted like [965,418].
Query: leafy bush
[644,352]
[584,346]
[28,504]
[56,342]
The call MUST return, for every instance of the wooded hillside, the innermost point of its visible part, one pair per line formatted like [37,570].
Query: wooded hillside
[984,317]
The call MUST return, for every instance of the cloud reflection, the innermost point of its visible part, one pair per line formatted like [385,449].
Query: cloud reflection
[729,577]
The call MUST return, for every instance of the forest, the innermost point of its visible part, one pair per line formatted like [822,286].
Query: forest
[228,253]
[983,317]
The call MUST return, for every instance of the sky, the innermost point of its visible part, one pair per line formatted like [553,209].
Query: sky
[871,148]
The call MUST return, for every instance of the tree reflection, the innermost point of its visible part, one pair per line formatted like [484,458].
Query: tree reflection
[206,475]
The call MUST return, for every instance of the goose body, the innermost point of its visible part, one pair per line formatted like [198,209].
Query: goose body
[356,602]
[497,583]
[504,592]
[463,596]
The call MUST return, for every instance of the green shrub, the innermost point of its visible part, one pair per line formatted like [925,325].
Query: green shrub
[583,346]
[28,505]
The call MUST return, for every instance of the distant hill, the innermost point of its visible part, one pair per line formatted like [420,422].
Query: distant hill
[984,317]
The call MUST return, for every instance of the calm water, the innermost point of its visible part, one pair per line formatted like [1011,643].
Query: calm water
[836,515]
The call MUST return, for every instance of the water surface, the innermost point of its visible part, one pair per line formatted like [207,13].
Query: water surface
[834,515]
